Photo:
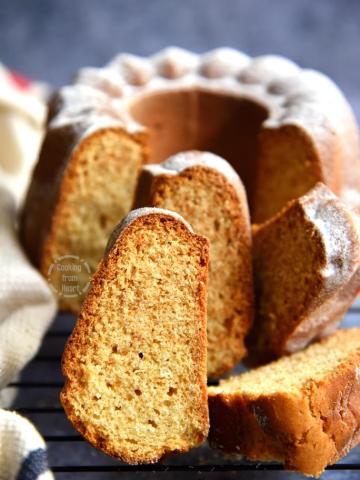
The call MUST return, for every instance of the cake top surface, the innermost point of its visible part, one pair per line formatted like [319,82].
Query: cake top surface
[194,158]
[338,225]
[139,213]
[291,374]
[117,96]
[291,94]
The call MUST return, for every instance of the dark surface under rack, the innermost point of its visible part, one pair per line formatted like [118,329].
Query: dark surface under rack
[71,457]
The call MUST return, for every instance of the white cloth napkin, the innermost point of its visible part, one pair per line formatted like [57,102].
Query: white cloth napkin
[22,450]
[22,115]
[27,305]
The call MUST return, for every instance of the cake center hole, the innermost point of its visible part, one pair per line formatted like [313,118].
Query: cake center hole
[198,120]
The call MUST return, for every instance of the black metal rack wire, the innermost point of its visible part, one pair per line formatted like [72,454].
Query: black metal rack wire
[71,457]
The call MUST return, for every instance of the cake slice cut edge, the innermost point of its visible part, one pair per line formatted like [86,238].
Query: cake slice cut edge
[208,193]
[135,364]
[302,410]
[306,262]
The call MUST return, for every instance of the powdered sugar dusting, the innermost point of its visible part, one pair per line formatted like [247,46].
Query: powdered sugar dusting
[291,95]
[142,212]
[181,161]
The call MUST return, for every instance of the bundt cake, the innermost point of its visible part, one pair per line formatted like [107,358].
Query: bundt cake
[208,193]
[302,410]
[281,127]
[135,364]
[306,262]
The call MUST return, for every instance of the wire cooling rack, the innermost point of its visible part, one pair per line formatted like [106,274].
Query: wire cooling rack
[73,458]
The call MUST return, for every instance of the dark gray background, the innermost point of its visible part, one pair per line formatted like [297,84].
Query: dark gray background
[49,40]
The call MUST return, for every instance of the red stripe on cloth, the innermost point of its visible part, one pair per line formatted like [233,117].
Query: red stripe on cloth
[21,82]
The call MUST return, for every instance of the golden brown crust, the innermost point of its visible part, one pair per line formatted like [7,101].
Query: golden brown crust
[306,432]
[44,188]
[78,342]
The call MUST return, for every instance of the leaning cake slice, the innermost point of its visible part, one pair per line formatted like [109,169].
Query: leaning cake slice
[135,364]
[302,410]
[307,273]
[208,193]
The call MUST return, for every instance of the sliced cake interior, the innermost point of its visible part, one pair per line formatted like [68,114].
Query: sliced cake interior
[74,204]
[306,264]
[136,362]
[293,373]
[208,193]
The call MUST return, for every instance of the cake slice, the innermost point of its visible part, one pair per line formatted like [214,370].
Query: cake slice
[302,410]
[208,193]
[79,190]
[306,269]
[135,364]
